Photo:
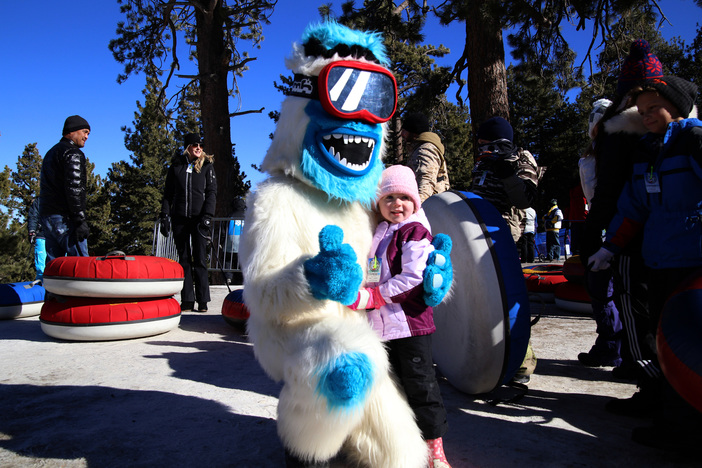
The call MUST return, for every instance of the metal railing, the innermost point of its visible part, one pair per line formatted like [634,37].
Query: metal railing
[224,249]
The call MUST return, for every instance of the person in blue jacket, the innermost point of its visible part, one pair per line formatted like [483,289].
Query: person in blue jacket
[663,200]
[188,206]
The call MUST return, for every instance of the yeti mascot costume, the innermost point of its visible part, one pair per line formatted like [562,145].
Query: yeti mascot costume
[307,236]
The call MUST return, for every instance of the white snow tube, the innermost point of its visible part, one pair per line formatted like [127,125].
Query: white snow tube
[483,329]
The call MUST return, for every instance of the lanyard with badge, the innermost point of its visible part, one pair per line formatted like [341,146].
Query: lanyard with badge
[651,181]
[374,265]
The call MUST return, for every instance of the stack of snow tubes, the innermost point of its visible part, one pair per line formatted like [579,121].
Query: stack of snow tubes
[19,300]
[114,297]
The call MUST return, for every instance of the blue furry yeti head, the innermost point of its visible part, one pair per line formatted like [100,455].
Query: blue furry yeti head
[331,128]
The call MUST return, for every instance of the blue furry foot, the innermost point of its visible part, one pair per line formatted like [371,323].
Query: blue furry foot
[345,383]
[438,275]
[334,273]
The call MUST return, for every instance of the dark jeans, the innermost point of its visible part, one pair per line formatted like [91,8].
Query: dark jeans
[411,361]
[526,247]
[553,245]
[59,232]
[192,254]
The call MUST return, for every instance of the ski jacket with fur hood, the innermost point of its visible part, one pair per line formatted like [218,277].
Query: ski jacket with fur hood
[616,149]
[663,199]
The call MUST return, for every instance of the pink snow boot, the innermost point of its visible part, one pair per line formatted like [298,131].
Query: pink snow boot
[437,458]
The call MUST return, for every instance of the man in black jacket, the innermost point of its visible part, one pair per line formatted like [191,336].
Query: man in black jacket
[62,194]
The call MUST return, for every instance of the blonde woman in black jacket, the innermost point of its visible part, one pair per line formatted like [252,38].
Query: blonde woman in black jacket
[188,206]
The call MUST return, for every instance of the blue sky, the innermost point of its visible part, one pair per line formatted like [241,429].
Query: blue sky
[57,63]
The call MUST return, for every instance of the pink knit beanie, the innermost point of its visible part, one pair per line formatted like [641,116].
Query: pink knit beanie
[400,179]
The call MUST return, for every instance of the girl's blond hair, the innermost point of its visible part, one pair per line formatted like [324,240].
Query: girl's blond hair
[201,160]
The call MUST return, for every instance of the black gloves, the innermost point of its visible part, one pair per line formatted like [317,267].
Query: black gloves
[502,168]
[206,224]
[165,224]
[32,237]
[82,231]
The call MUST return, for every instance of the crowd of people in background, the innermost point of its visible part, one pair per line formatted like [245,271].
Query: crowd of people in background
[645,145]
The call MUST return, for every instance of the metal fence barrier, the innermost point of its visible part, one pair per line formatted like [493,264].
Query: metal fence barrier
[224,251]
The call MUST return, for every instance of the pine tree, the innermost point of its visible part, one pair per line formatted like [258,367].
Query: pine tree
[18,189]
[25,180]
[135,188]
[213,33]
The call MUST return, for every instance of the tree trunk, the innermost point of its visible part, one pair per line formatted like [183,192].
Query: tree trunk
[214,101]
[487,76]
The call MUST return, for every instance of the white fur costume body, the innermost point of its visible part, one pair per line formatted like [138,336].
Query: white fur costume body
[296,335]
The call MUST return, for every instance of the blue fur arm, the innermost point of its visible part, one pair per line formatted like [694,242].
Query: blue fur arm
[334,273]
[346,381]
[438,275]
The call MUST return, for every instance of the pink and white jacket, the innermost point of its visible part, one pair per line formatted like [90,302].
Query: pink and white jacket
[402,249]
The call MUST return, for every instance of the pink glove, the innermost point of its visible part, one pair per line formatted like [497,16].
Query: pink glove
[368,298]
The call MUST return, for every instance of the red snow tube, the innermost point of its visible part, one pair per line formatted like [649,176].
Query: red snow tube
[679,340]
[573,297]
[543,283]
[234,310]
[542,280]
[573,269]
[101,319]
[114,275]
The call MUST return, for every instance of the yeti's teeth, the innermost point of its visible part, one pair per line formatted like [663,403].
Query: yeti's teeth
[332,150]
[346,139]
[357,139]
[344,162]
[326,137]
[371,143]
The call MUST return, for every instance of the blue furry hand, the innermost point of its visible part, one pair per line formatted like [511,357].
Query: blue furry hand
[345,382]
[334,273]
[438,275]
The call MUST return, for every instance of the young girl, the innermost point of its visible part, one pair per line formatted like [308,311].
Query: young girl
[396,308]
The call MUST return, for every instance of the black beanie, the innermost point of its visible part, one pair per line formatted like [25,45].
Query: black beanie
[73,123]
[496,128]
[191,139]
[416,123]
[681,93]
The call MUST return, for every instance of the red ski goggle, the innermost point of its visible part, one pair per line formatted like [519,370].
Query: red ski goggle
[351,90]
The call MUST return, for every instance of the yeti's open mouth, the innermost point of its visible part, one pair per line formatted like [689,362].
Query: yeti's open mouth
[353,152]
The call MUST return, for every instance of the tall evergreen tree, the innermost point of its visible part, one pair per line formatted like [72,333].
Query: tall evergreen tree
[25,180]
[538,40]
[100,239]
[213,32]
[18,188]
[135,188]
